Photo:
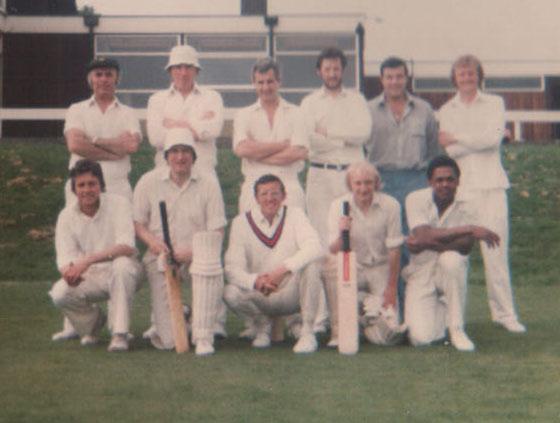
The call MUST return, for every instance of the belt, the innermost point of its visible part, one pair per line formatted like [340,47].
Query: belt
[329,166]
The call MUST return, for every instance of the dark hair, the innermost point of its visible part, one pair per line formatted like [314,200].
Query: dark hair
[188,146]
[84,166]
[442,161]
[264,65]
[266,179]
[393,62]
[331,53]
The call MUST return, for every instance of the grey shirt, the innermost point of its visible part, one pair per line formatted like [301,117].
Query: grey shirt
[408,144]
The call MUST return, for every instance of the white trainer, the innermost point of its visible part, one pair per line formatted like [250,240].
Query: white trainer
[88,340]
[306,344]
[461,341]
[262,340]
[148,333]
[513,326]
[118,343]
[204,347]
[65,335]
[333,342]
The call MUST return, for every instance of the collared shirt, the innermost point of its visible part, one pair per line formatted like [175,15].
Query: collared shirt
[78,235]
[347,121]
[372,234]
[409,143]
[195,206]
[288,125]
[479,129]
[422,210]
[203,108]
[87,117]
[247,256]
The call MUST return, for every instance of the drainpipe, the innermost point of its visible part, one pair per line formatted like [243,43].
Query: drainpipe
[360,34]
[271,22]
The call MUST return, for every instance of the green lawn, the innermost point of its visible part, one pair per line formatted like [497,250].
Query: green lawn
[509,378]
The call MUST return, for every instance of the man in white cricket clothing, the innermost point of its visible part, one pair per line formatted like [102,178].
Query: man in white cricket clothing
[95,255]
[472,127]
[442,235]
[104,130]
[338,124]
[187,105]
[268,136]
[194,204]
[272,249]
[374,223]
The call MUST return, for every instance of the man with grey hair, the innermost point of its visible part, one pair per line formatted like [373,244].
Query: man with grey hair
[374,223]
[268,137]
[104,130]
[187,105]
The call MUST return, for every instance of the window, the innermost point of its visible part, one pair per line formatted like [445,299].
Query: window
[432,84]
[517,83]
[297,56]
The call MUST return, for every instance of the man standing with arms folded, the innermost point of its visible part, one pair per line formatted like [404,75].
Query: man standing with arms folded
[404,135]
[269,138]
[338,124]
[472,127]
[95,255]
[103,130]
[194,204]
[186,105]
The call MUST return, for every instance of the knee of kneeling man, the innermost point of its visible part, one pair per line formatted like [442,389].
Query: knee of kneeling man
[232,295]
[59,293]
[418,337]
[451,260]
[124,266]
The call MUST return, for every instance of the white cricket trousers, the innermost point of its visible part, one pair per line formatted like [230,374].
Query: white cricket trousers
[117,281]
[492,209]
[297,293]
[435,297]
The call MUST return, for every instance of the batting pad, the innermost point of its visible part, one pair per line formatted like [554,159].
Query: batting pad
[207,283]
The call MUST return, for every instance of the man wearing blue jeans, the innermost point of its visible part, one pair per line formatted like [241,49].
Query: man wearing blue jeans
[404,138]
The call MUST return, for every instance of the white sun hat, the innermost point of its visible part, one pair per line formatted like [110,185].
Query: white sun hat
[183,55]
[178,136]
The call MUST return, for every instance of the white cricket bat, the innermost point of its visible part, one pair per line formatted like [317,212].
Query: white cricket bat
[347,293]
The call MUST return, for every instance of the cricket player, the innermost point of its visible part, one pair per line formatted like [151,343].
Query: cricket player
[95,255]
[269,138]
[442,235]
[104,130]
[338,124]
[272,249]
[374,223]
[472,127]
[186,105]
[194,204]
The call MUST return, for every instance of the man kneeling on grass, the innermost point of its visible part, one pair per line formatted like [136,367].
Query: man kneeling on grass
[271,254]
[95,255]
[441,239]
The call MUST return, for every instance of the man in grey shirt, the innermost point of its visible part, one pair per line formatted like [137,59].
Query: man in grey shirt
[404,136]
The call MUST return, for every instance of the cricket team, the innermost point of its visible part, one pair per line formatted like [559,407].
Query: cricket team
[415,213]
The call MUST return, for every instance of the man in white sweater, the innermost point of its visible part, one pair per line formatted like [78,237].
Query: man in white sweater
[472,127]
[272,249]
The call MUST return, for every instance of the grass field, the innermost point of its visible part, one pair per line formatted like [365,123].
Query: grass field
[509,378]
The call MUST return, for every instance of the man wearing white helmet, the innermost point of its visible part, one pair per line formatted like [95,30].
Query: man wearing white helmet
[186,105]
[194,204]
